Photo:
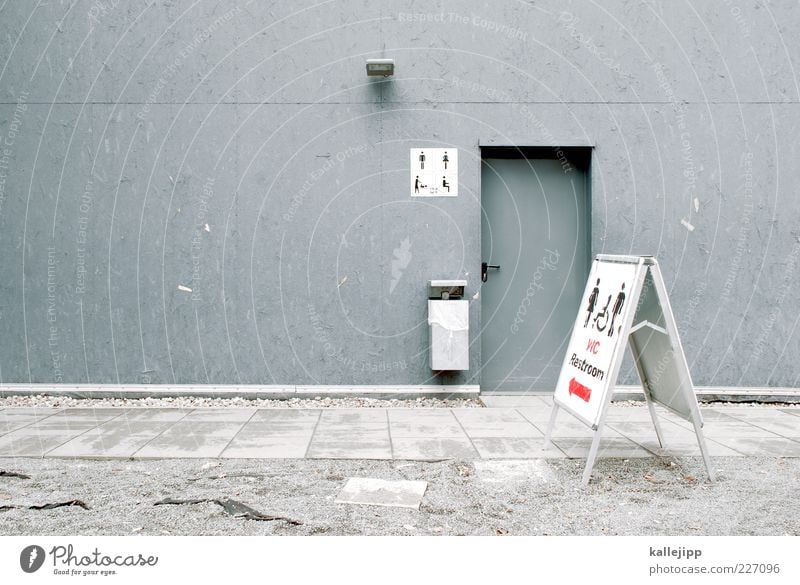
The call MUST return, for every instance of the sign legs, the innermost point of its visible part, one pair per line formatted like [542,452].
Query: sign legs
[550,426]
[587,473]
[698,429]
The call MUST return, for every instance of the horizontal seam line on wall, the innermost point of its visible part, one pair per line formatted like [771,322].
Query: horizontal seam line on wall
[438,102]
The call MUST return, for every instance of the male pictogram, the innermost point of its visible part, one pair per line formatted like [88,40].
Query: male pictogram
[422,161]
[617,309]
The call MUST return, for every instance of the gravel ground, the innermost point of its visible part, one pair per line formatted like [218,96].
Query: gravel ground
[754,496]
[41,401]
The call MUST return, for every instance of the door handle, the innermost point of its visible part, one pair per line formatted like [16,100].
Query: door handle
[485,270]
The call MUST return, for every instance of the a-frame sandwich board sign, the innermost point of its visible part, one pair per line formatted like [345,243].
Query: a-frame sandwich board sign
[625,303]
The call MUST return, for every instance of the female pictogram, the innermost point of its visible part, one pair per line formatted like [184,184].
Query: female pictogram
[592,302]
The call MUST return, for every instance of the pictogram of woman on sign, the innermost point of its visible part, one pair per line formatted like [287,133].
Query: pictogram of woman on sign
[592,302]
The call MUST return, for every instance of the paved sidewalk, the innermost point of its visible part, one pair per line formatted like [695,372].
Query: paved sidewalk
[511,428]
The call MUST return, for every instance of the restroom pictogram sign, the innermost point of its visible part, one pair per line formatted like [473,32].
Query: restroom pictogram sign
[434,172]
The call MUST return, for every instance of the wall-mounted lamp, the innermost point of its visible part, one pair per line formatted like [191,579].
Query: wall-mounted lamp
[383,67]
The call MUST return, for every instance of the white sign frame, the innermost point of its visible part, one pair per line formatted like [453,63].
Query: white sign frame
[654,330]
[433,172]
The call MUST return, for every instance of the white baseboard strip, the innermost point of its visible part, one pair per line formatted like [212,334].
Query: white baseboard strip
[243,391]
[723,394]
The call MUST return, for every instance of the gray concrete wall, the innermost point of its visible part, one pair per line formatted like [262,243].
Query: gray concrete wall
[127,127]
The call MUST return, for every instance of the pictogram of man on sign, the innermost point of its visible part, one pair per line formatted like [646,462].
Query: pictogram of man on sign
[445,160]
[617,309]
[422,160]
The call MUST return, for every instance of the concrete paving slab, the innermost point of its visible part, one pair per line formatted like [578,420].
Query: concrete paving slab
[21,411]
[432,449]
[350,449]
[792,411]
[87,414]
[515,448]
[762,446]
[523,429]
[616,447]
[279,428]
[760,414]
[256,446]
[16,444]
[535,414]
[364,431]
[353,415]
[788,429]
[220,414]
[63,426]
[155,414]
[430,428]
[479,416]
[716,429]
[285,415]
[119,427]
[21,422]
[648,429]
[190,440]
[419,414]
[381,492]
[529,400]
[684,448]
[536,471]
[571,427]
[109,442]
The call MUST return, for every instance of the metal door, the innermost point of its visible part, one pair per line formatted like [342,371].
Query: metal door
[536,228]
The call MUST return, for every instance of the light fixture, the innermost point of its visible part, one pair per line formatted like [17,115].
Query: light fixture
[384,67]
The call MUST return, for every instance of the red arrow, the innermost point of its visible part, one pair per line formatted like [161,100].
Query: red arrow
[579,390]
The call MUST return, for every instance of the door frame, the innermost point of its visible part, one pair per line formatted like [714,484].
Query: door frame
[580,156]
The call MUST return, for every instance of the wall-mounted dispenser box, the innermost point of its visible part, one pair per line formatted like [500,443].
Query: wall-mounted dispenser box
[448,321]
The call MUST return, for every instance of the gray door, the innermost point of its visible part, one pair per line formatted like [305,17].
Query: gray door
[535,226]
